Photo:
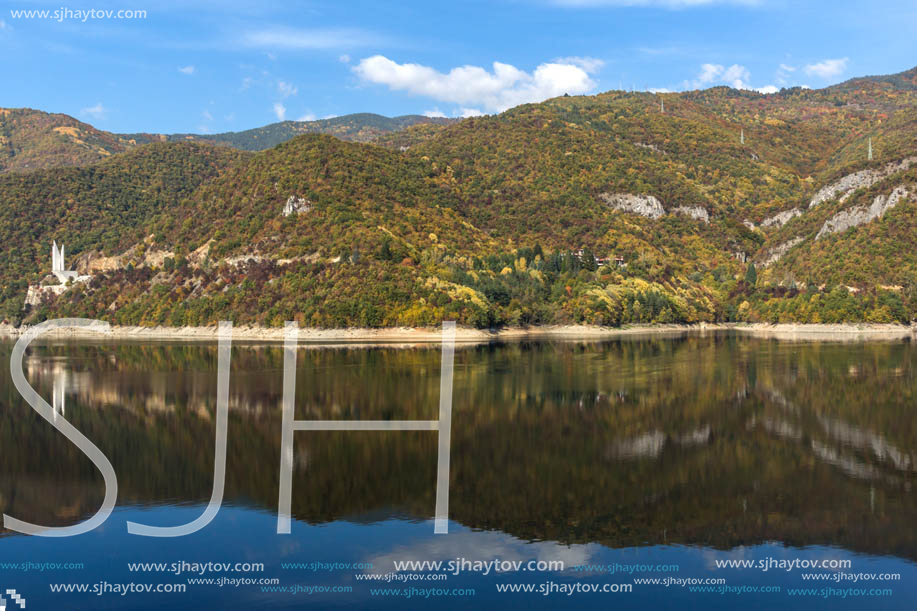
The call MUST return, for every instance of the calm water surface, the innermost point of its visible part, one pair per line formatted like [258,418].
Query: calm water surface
[640,451]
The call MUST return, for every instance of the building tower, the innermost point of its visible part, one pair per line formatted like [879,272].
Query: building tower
[58,267]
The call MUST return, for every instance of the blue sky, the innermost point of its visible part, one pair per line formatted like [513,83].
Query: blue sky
[224,65]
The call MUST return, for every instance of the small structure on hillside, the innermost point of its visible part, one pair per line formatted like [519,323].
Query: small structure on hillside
[65,278]
[58,268]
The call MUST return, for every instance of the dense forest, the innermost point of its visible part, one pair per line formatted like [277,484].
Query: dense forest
[619,208]
[31,139]
[359,127]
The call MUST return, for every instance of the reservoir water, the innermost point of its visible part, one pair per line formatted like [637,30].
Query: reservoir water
[626,461]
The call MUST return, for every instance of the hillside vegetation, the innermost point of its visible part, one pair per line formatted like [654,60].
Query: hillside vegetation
[360,127]
[724,206]
[32,139]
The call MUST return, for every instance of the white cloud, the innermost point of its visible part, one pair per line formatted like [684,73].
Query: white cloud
[3,25]
[659,90]
[286,89]
[827,68]
[207,116]
[735,76]
[505,87]
[96,112]
[280,110]
[470,112]
[589,64]
[308,117]
[344,59]
[189,70]
[436,112]
[289,38]
[784,71]
[708,73]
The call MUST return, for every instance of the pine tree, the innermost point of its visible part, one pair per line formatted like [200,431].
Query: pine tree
[751,275]
[589,263]
[385,253]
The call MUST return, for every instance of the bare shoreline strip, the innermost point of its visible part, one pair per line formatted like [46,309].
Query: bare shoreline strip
[405,335]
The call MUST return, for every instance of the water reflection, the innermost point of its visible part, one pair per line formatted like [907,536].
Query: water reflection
[716,441]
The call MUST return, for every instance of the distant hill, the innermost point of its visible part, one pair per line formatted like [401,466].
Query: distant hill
[617,208]
[32,139]
[361,127]
[901,80]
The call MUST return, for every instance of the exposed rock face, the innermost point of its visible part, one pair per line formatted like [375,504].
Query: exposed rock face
[243,260]
[644,205]
[198,256]
[156,258]
[845,219]
[773,255]
[781,218]
[651,147]
[94,262]
[296,205]
[846,185]
[695,212]
[36,293]
[649,206]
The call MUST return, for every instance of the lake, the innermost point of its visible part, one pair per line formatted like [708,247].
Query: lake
[640,459]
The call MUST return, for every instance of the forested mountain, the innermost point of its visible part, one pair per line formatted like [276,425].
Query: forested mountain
[622,207]
[360,127]
[31,139]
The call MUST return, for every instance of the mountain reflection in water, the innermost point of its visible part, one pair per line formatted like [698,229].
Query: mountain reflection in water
[715,441]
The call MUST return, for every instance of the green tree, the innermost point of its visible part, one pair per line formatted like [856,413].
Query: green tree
[751,275]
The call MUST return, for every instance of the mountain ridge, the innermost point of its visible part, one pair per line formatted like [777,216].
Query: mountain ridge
[32,139]
[605,209]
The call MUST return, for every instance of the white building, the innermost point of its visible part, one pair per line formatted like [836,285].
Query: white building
[57,264]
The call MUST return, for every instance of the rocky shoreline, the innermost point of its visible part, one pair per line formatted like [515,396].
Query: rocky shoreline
[405,335]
